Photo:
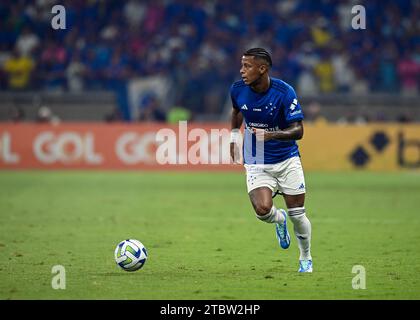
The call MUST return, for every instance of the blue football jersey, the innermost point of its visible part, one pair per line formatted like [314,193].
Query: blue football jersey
[272,110]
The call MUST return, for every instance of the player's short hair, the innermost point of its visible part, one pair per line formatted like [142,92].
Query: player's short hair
[260,53]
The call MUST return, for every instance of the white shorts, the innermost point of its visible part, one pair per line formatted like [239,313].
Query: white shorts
[286,177]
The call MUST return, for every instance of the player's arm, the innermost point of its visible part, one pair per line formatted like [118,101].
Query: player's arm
[235,123]
[293,132]
[236,119]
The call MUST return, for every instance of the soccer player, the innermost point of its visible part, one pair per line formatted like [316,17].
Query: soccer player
[273,123]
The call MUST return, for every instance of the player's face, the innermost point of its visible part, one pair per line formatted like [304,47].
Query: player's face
[251,70]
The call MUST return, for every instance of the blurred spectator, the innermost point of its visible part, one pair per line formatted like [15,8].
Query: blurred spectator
[343,75]
[387,68]
[27,42]
[75,74]
[409,72]
[307,83]
[324,71]
[154,17]
[151,110]
[19,70]
[134,12]
[307,58]
[344,14]
[116,70]
[52,67]
[4,54]
[320,33]
[360,86]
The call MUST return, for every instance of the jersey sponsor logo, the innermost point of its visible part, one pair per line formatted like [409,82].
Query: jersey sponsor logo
[258,125]
[192,146]
[244,107]
[256,109]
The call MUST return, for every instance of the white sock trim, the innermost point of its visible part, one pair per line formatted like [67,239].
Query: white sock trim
[294,212]
[274,216]
[268,215]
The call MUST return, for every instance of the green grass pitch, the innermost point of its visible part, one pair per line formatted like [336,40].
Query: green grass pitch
[203,239]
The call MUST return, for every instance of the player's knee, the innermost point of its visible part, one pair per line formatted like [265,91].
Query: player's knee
[262,208]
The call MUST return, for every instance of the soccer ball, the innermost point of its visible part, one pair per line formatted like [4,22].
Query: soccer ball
[130,255]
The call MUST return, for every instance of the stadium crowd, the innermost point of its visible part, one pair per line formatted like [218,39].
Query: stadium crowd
[198,43]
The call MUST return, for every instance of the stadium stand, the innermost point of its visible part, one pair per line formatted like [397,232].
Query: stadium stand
[196,44]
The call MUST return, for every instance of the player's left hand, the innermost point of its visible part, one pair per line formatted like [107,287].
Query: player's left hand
[261,134]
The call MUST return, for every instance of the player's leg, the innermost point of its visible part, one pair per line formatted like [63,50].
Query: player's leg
[260,187]
[262,201]
[302,228]
[293,188]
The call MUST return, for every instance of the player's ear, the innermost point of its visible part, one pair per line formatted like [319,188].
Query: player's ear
[263,68]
